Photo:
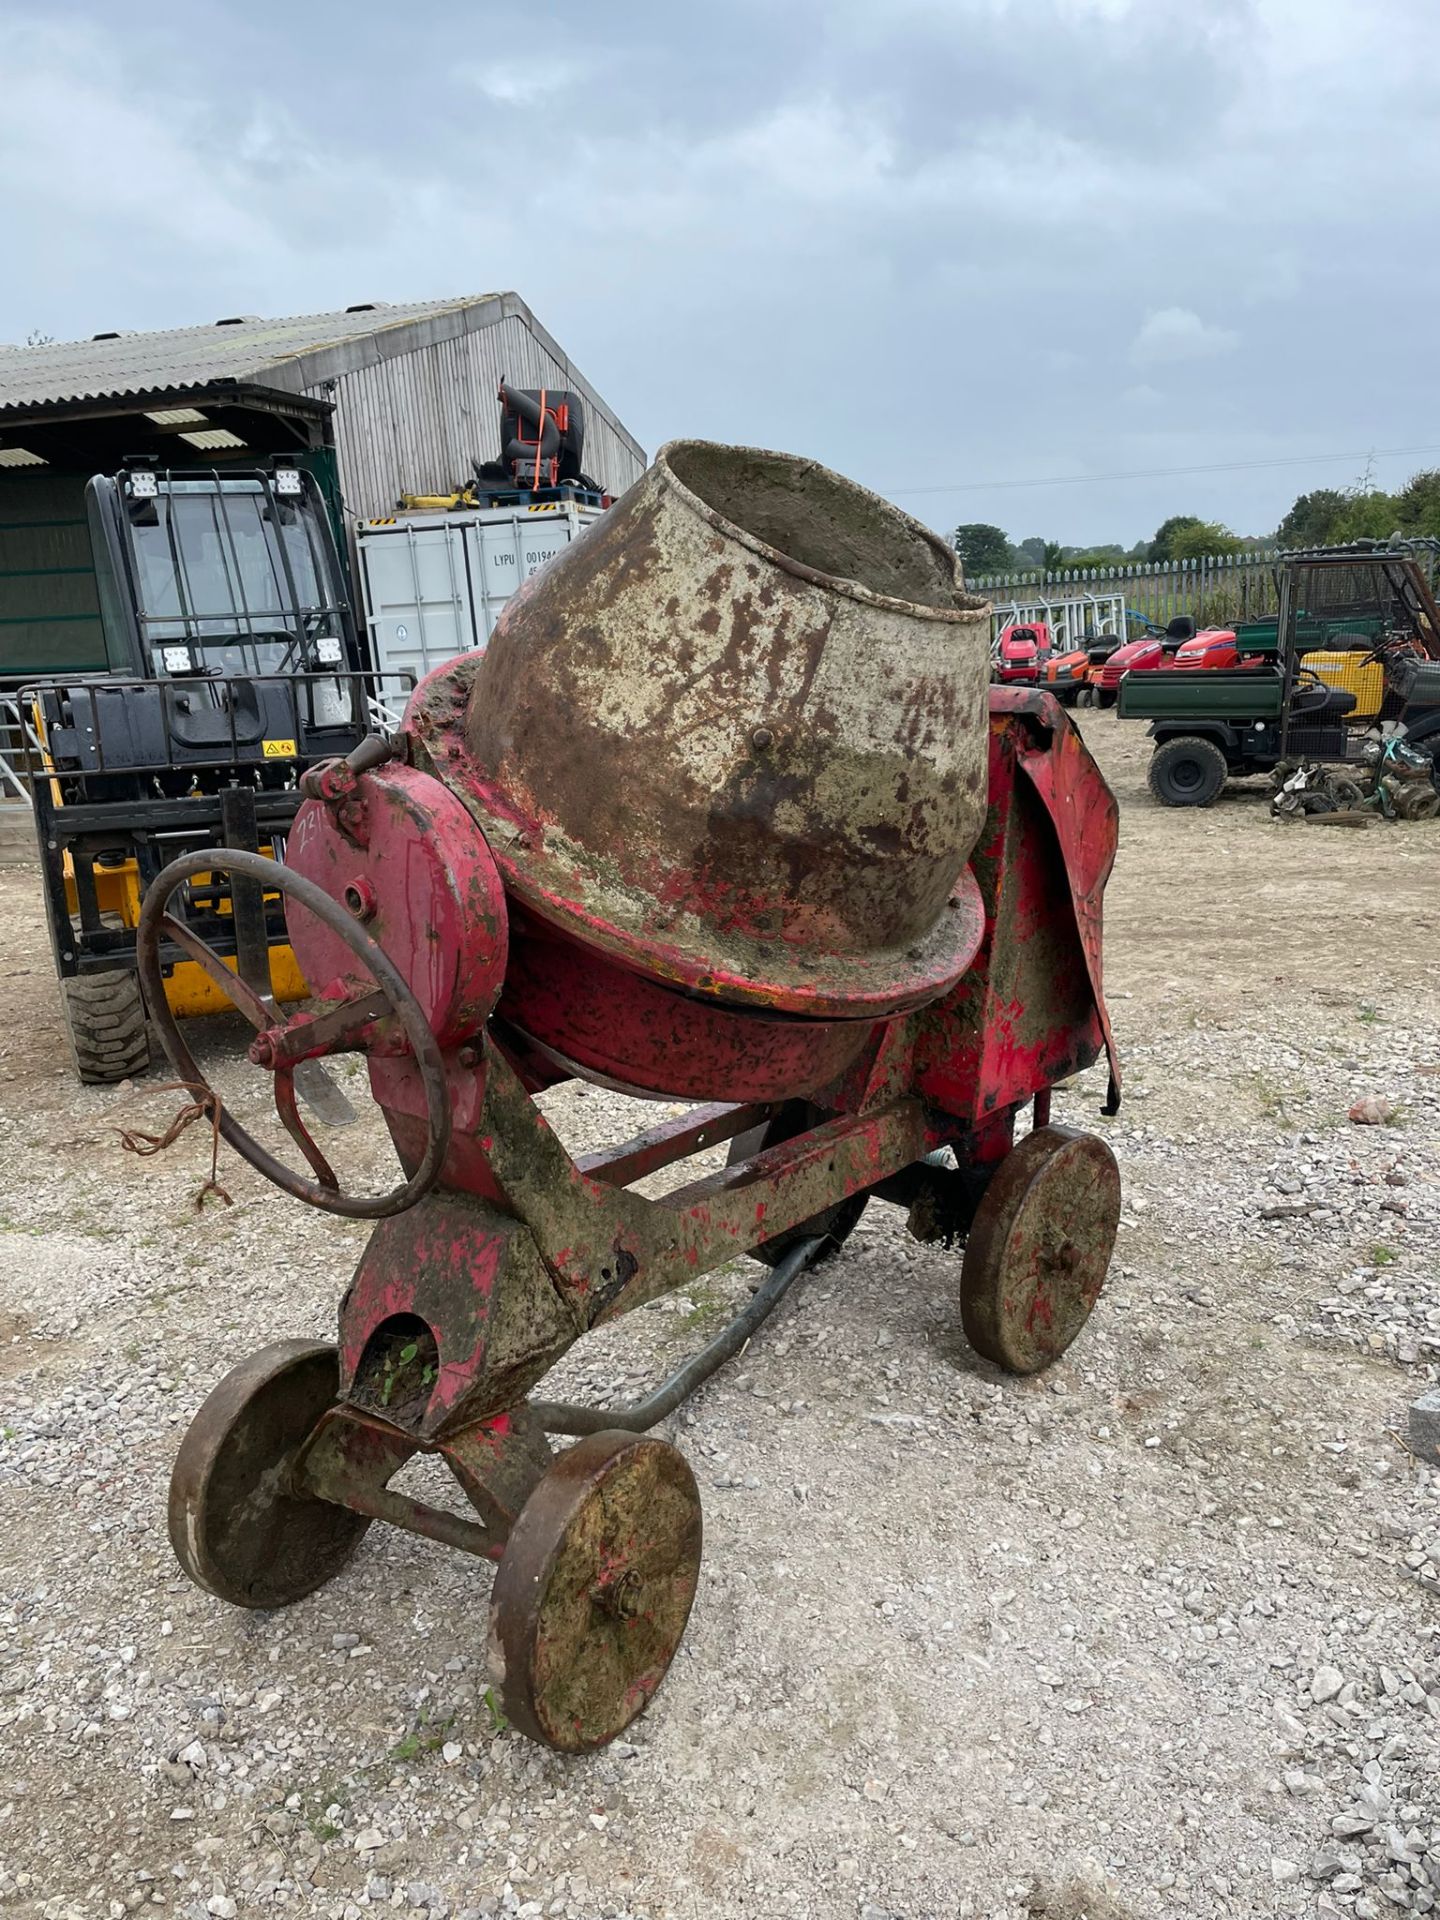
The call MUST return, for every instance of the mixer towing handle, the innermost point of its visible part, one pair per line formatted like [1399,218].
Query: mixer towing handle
[279,1044]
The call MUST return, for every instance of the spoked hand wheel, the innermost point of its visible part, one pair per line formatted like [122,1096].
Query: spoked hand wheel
[281,1045]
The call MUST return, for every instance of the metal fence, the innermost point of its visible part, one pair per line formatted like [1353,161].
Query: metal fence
[1218,590]
[18,742]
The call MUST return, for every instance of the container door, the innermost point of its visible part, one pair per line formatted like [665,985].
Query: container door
[507,550]
[417,599]
[542,538]
[496,567]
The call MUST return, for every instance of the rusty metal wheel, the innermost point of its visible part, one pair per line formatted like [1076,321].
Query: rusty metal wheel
[238,1527]
[594,1589]
[1038,1252]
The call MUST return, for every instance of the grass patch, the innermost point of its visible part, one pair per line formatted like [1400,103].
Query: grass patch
[317,1816]
[1383,1256]
[426,1736]
[708,1307]
[1273,1099]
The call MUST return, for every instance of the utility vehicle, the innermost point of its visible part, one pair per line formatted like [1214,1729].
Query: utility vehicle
[235,666]
[1281,710]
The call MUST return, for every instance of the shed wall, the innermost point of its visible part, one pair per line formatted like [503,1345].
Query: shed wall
[412,423]
[49,609]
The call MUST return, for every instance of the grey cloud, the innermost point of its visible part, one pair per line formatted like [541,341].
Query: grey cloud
[930,241]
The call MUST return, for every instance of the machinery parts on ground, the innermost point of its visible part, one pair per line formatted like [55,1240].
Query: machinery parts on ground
[224,607]
[1398,781]
[1356,661]
[726,814]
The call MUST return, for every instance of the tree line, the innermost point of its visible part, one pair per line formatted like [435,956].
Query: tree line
[1326,517]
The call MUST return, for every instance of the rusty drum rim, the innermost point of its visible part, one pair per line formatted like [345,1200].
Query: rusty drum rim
[882,983]
[970,609]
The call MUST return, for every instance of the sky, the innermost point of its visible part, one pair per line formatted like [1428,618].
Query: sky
[950,247]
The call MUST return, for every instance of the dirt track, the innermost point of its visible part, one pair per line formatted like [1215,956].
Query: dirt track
[963,1645]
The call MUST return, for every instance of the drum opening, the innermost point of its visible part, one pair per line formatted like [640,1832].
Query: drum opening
[819,520]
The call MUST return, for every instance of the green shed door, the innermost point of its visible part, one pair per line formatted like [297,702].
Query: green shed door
[49,612]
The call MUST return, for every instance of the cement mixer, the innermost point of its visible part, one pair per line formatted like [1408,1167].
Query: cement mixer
[726,814]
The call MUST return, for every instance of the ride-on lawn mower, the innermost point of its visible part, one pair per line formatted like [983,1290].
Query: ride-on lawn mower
[727,814]
[1151,650]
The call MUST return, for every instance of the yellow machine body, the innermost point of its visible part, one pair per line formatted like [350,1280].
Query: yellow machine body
[1351,673]
[189,989]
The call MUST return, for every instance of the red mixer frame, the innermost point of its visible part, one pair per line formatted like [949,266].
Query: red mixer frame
[499,1248]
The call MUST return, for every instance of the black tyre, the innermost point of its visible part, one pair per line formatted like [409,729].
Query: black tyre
[1188,772]
[1105,696]
[836,1223]
[105,1018]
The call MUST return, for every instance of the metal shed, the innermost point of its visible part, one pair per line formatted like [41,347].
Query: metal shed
[399,398]
[412,386]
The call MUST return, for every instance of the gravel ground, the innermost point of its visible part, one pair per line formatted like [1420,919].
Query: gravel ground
[1155,1634]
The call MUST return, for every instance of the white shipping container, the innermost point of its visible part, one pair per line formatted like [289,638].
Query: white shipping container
[432,584]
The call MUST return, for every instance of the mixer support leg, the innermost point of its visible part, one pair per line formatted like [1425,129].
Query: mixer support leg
[499,1463]
[351,1458]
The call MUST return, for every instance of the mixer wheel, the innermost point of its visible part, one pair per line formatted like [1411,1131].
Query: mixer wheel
[594,1589]
[237,1525]
[836,1223]
[1039,1249]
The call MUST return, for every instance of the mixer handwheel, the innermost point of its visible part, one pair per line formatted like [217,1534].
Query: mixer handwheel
[594,1589]
[238,1526]
[1039,1248]
[338,1026]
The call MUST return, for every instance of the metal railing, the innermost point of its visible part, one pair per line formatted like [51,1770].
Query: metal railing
[1219,589]
[18,743]
[81,729]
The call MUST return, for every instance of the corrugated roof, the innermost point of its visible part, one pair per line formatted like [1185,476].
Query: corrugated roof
[133,365]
